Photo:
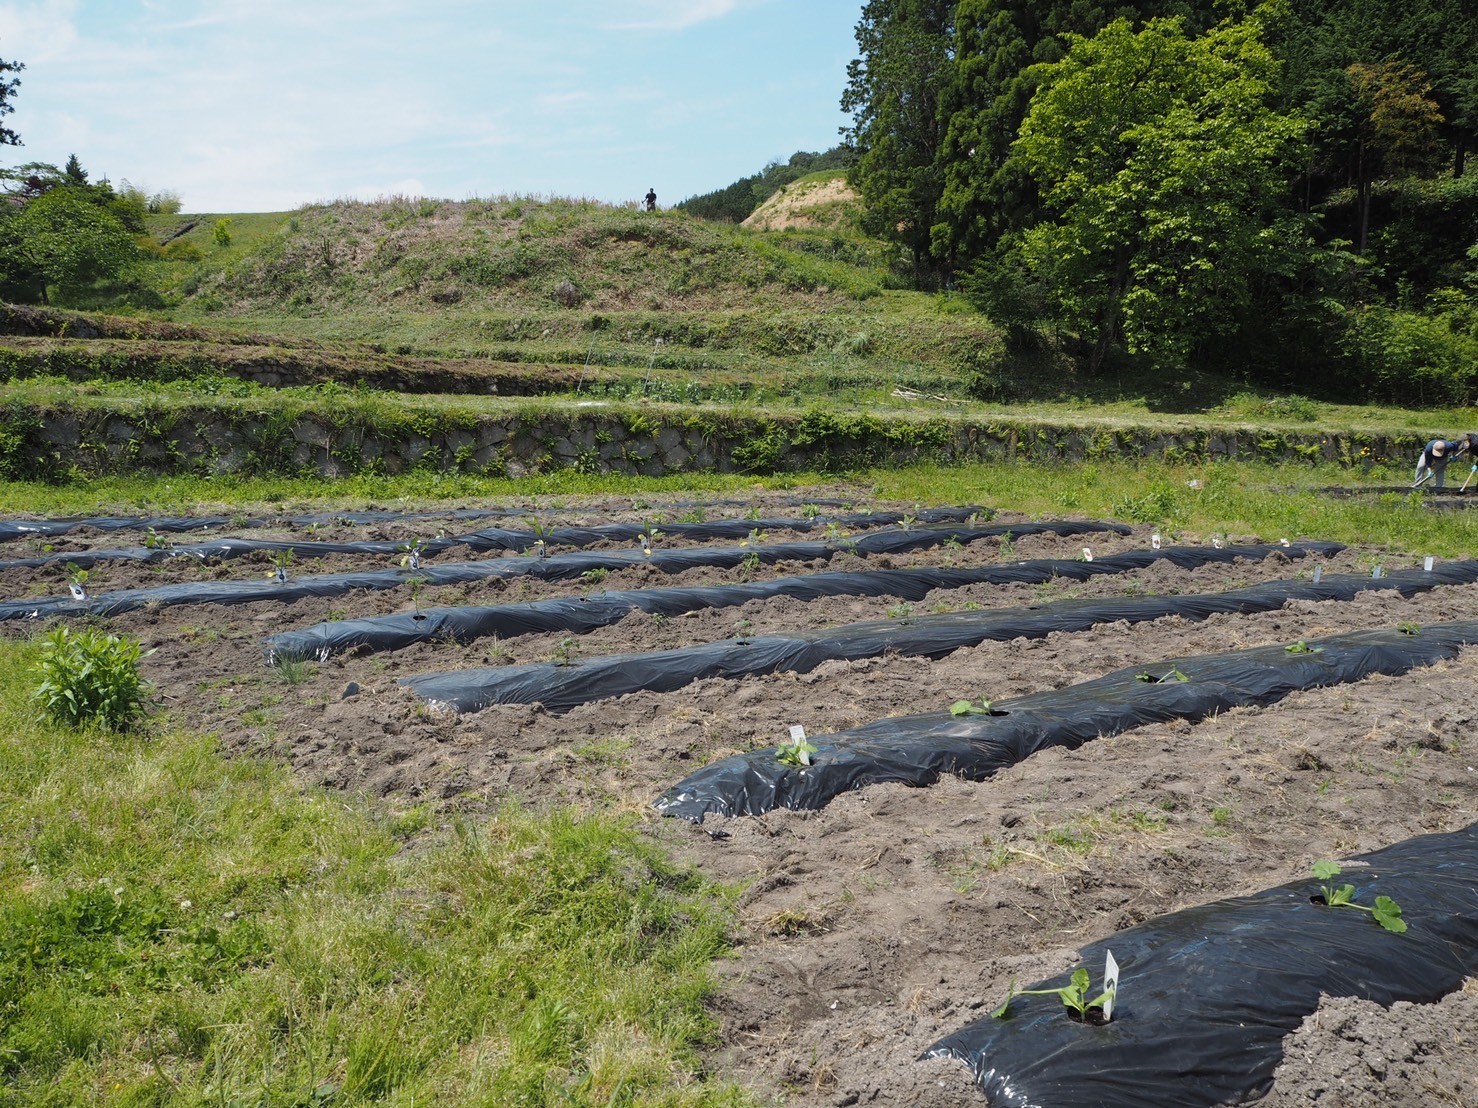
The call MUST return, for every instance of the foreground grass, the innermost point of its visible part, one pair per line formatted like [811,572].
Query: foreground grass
[179,928]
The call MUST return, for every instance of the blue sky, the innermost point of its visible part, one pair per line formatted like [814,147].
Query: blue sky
[265,105]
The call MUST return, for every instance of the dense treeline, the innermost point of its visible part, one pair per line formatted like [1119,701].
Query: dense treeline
[1285,190]
[735,203]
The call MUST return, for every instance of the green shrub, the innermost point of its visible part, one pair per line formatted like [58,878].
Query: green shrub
[90,678]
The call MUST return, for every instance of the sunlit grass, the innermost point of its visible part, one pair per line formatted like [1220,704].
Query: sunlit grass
[177,927]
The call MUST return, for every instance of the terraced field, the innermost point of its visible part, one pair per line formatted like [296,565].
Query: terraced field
[891,916]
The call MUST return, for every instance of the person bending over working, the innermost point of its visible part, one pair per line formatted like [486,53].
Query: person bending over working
[1434,459]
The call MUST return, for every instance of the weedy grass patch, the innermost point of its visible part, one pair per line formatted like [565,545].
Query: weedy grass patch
[179,927]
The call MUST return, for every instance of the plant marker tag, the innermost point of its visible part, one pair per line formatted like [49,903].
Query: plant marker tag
[797,737]
[1087,554]
[1216,543]
[1282,542]
[281,575]
[1318,574]
[1427,563]
[1155,540]
[78,592]
[1110,985]
[1377,573]
[415,559]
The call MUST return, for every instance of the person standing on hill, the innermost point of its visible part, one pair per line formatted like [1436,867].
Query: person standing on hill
[1434,459]
[651,200]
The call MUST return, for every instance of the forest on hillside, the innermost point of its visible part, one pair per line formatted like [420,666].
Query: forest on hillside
[1288,193]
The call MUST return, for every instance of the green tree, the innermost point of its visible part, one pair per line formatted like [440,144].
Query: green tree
[1162,165]
[8,85]
[64,241]
[893,89]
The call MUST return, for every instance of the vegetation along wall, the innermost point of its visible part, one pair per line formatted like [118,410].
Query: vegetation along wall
[91,437]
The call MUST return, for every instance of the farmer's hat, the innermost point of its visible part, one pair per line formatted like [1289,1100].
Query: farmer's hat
[1439,448]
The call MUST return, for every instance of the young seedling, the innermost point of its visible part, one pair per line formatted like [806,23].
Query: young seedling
[1409,628]
[564,653]
[542,532]
[77,581]
[1074,997]
[1164,678]
[966,708]
[411,556]
[798,751]
[281,559]
[1302,647]
[153,540]
[417,582]
[649,534]
[756,537]
[1386,912]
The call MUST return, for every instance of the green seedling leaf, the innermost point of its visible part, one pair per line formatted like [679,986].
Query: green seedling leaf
[1387,913]
[795,754]
[1302,647]
[967,708]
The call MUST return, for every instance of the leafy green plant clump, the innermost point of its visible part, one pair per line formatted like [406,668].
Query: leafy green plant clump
[1386,912]
[967,708]
[1074,997]
[90,678]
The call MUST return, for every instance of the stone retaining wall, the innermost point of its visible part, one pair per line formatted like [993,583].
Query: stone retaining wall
[89,440]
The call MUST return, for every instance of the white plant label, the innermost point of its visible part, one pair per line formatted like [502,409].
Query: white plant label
[415,559]
[797,737]
[281,574]
[1283,542]
[1377,573]
[78,592]
[1216,543]
[1318,574]
[1428,562]
[1155,540]
[1110,985]
[1087,554]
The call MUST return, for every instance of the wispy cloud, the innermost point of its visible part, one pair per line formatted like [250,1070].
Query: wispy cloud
[38,32]
[676,15]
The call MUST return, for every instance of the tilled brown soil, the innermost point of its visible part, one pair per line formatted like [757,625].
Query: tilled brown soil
[895,915]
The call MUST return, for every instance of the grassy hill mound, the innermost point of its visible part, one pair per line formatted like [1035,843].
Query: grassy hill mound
[519,254]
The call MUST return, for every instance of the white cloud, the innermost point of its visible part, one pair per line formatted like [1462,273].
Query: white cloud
[37,33]
[676,15]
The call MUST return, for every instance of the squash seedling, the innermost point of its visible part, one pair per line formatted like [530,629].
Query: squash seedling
[1386,912]
[1302,647]
[967,708]
[798,751]
[1074,997]
[1172,674]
